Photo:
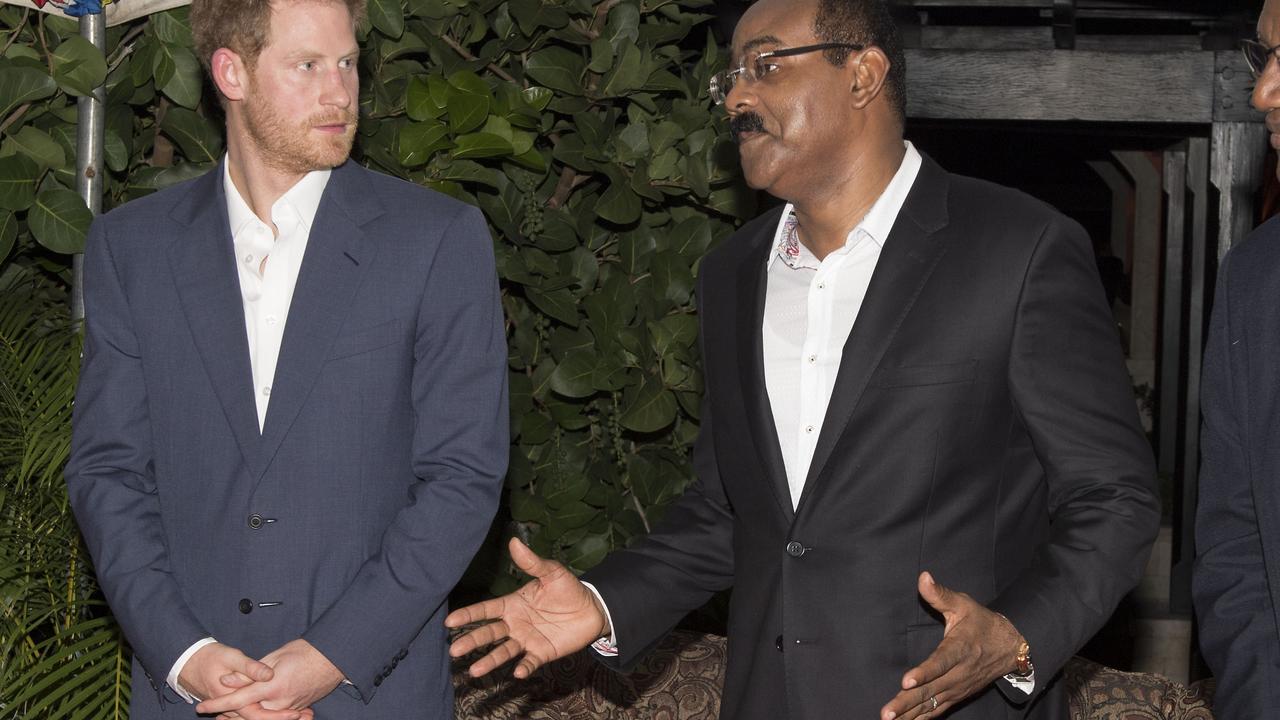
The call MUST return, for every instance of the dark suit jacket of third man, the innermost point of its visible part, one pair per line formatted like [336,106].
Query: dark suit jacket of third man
[1236,582]
[982,427]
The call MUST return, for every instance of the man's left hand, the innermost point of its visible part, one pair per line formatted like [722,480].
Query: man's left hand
[978,646]
[303,675]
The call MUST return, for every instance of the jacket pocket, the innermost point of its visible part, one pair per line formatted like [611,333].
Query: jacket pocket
[916,375]
[363,341]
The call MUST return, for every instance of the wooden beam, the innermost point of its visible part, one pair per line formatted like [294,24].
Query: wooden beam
[1175,87]
[972,37]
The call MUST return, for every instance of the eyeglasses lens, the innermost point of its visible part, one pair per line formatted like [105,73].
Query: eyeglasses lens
[1256,55]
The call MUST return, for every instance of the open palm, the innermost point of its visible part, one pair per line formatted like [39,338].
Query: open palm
[551,616]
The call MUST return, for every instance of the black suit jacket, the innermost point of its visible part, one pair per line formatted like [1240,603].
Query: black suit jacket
[982,427]
[1236,581]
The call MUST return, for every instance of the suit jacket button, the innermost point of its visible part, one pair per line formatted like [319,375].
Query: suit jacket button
[795,549]
[777,642]
[246,605]
[255,521]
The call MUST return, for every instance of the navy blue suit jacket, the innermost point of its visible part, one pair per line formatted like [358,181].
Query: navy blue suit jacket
[1236,580]
[348,519]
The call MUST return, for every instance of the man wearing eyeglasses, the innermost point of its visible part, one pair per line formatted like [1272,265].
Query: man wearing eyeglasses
[1236,578]
[919,465]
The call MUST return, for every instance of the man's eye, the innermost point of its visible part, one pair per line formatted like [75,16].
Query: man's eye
[765,68]
[308,65]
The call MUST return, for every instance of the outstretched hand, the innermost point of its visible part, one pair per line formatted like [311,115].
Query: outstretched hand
[551,616]
[978,646]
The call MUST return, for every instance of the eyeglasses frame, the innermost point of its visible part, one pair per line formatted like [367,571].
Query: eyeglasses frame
[713,86]
[1267,53]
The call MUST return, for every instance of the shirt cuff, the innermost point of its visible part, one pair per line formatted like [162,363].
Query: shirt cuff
[1026,684]
[182,663]
[607,645]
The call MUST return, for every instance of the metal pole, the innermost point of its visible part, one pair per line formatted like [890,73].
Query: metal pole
[90,133]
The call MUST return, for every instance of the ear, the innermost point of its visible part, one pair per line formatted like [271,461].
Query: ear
[870,69]
[229,73]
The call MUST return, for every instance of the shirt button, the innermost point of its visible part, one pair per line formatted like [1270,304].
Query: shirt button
[246,605]
[808,428]
[248,259]
[271,319]
[266,390]
[813,359]
[822,286]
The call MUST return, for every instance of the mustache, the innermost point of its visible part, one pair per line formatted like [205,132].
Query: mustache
[745,123]
[333,119]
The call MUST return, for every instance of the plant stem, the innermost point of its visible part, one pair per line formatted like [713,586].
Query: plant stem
[466,54]
[16,31]
[14,116]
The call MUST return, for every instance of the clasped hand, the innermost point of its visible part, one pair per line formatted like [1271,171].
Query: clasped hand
[978,646]
[281,686]
[549,617]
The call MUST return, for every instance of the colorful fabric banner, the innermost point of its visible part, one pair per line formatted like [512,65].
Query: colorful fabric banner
[117,11]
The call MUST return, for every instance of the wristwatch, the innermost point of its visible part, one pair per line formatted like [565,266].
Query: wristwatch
[1023,660]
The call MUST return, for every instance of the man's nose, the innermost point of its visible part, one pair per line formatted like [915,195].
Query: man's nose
[1266,91]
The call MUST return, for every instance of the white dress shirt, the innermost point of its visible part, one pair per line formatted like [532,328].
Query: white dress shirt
[809,310]
[266,289]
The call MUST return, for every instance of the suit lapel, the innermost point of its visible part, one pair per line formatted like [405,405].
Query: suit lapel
[752,279]
[910,254]
[203,264]
[333,267]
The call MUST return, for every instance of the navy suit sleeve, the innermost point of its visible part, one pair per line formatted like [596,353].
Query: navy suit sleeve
[1229,583]
[110,474]
[460,449]
[1068,379]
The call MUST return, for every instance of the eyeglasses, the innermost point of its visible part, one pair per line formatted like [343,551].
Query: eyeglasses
[758,68]
[1257,55]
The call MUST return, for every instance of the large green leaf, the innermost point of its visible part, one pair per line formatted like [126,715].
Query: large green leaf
[420,140]
[37,145]
[619,204]
[184,83]
[572,376]
[199,141]
[649,408]
[60,220]
[557,68]
[18,176]
[480,145]
[20,84]
[78,66]
[387,16]
[467,111]
[8,233]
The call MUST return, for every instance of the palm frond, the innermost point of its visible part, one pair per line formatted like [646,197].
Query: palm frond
[61,654]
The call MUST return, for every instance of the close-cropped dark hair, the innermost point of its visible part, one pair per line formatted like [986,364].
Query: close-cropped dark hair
[865,22]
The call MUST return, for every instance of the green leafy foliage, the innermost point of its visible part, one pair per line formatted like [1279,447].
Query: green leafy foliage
[63,656]
[583,131]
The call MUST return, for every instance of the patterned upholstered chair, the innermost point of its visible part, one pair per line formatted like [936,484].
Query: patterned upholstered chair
[681,680]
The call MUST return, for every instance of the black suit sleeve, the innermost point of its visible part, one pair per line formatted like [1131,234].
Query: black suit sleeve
[1070,389]
[1229,583]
